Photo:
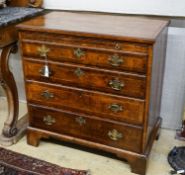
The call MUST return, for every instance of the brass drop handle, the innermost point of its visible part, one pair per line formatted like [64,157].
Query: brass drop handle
[49,120]
[115,60]
[45,71]
[43,51]
[115,135]
[47,95]
[79,72]
[80,120]
[79,53]
[116,84]
[115,107]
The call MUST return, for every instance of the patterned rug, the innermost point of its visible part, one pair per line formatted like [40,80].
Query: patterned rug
[12,163]
[176,159]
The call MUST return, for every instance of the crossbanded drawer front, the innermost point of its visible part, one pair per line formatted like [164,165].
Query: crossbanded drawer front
[88,78]
[92,57]
[113,134]
[87,42]
[91,102]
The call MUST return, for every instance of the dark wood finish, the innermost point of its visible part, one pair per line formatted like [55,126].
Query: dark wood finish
[132,62]
[138,162]
[8,35]
[77,102]
[86,101]
[25,3]
[81,76]
[85,130]
[68,40]
[154,83]
[114,27]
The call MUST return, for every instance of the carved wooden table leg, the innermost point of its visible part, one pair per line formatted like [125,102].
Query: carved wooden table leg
[11,133]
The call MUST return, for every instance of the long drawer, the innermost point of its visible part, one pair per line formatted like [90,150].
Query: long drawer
[91,102]
[114,134]
[88,78]
[92,57]
[117,45]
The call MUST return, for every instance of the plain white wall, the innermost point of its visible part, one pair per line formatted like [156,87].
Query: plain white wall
[173,96]
[154,7]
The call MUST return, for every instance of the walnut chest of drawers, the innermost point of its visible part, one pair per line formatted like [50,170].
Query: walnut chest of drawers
[103,86]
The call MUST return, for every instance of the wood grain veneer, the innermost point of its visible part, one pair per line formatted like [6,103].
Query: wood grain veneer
[105,81]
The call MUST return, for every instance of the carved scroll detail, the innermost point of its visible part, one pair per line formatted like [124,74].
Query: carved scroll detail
[8,83]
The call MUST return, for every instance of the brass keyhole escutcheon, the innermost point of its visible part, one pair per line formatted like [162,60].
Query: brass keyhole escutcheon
[79,72]
[116,84]
[115,107]
[49,120]
[43,51]
[79,53]
[115,135]
[80,120]
[117,46]
[47,95]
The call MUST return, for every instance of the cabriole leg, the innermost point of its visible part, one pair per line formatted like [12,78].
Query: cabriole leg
[10,131]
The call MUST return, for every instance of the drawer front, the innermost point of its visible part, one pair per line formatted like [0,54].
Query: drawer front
[109,133]
[92,57]
[86,42]
[89,78]
[89,102]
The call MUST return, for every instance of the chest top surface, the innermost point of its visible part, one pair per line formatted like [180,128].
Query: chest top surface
[141,29]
